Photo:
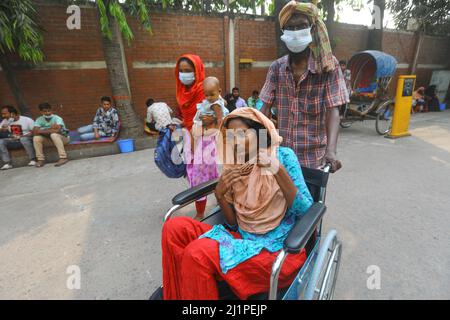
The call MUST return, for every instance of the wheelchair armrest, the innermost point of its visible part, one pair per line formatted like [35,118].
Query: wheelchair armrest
[194,193]
[304,228]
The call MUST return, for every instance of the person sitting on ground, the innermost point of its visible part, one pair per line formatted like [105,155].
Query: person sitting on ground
[50,128]
[418,102]
[105,123]
[20,129]
[241,252]
[254,101]
[159,116]
[431,98]
[234,101]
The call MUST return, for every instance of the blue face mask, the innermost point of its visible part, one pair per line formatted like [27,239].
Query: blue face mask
[186,78]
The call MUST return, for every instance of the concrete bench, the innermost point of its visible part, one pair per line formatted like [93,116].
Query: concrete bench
[80,151]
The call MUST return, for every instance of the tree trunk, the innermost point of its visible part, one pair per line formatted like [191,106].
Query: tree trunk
[178,4]
[328,6]
[281,49]
[132,125]
[418,45]
[13,84]
[375,40]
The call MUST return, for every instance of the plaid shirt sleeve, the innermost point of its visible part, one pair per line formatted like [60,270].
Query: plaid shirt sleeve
[335,89]
[267,94]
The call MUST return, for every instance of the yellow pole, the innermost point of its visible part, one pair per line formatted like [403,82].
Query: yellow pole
[402,108]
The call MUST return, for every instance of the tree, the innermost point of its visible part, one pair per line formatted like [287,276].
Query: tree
[429,17]
[19,33]
[329,13]
[114,26]
[278,5]
[331,10]
[375,39]
[432,15]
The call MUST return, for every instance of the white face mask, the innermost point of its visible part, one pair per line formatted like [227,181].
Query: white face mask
[187,78]
[298,40]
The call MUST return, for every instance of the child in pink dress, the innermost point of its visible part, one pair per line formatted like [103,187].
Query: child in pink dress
[202,160]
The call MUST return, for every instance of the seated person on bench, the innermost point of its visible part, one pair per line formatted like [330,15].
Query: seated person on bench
[260,201]
[15,131]
[50,129]
[159,116]
[105,124]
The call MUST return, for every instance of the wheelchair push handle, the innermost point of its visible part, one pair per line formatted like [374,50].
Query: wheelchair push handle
[327,167]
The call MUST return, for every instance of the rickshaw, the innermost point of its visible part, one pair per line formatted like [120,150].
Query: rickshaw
[372,72]
[316,278]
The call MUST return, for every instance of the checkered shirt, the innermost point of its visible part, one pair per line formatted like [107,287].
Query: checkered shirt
[301,109]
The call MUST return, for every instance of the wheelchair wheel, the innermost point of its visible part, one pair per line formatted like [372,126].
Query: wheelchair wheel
[324,275]
[326,291]
[157,294]
[384,117]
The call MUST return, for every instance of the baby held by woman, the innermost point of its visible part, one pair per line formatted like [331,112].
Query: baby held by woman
[211,110]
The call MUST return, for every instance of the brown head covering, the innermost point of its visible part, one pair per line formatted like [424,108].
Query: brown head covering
[259,203]
[320,47]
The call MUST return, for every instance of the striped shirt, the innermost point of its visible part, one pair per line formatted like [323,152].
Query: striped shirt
[301,108]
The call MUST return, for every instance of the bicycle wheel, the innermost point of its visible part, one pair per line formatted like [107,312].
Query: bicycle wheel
[384,117]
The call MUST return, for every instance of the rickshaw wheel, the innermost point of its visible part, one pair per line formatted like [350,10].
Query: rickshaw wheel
[345,122]
[384,117]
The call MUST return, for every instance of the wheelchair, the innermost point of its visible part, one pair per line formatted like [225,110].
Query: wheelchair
[316,278]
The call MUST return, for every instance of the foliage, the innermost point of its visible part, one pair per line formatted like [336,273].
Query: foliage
[433,15]
[113,9]
[241,6]
[20,31]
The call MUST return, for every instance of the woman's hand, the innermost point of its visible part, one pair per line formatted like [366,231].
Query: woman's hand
[226,180]
[268,162]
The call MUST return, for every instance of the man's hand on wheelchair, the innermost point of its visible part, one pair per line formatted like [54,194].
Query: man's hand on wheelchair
[331,159]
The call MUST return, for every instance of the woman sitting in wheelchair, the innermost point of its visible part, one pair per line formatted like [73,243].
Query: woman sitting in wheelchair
[260,200]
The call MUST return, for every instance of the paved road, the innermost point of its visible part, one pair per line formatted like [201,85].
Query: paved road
[390,205]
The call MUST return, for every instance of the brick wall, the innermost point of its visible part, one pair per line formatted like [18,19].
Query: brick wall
[74,94]
[75,91]
[173,35]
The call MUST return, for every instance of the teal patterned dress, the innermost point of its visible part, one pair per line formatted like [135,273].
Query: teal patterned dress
[233,251]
